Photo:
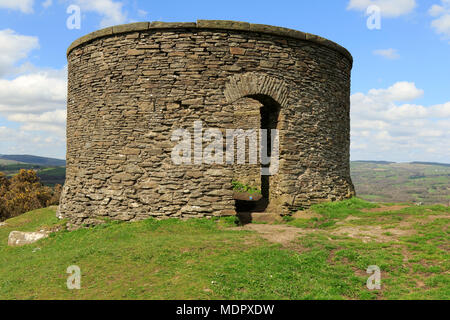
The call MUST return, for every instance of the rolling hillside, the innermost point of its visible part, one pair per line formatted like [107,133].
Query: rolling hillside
[428,183]
[32,160]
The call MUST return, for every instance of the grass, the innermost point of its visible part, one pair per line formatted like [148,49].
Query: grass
[333,212]
[241,187]
[211,259]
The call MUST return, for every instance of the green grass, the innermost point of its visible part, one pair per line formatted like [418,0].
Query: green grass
[333,212]
[209,259]
[241,187]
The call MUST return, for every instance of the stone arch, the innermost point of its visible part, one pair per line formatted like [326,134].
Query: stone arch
[271,95]
[253,83]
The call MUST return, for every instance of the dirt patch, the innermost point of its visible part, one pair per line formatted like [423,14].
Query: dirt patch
[431,218]
[348,219]
[386,208]
[276,233]
[411,220]
[306,214]
[420,284]
[285,234]
[371,233]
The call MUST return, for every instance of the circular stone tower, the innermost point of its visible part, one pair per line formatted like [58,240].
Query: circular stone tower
[135,91]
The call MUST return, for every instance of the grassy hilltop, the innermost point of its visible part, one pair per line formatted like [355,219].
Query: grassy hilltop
[322,253]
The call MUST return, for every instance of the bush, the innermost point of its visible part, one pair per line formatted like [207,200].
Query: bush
[241,187]
[24,192]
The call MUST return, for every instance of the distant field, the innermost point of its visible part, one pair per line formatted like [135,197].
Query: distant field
[48,175]
[24,158]
[7,162]
[402,182]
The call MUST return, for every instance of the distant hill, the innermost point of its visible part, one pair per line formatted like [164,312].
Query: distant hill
[414,162]
[373,161]
[402,182]
[432,163]
[33,160]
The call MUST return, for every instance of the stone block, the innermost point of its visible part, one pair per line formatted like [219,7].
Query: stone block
[18,238]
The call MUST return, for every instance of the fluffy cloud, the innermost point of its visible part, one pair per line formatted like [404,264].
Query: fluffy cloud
[111,11]
[18,141]
[390,54]
[37,101]
[33,101]
[33,93]
[441,13]
[14,48]
[47,3]
[25,6]
[389,8]
[384,129]
[400,91]
[142,13]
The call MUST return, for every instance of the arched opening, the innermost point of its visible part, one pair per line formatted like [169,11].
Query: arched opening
[257,111]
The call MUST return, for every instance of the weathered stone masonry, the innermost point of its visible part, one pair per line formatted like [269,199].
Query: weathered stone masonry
[131,86]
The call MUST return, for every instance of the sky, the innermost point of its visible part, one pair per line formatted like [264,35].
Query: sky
[400,93]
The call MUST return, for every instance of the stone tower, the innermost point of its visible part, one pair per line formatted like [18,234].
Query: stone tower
[132,86]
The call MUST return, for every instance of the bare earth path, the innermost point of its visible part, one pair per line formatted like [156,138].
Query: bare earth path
[349,227]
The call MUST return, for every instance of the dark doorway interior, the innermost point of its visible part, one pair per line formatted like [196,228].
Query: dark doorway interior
[269,116]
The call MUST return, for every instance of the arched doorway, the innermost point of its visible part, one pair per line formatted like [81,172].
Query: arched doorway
[255,112]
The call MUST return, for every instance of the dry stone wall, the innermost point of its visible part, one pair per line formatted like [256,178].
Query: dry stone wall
[131,86]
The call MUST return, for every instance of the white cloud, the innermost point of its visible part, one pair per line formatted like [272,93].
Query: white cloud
[52,117]
[436,10]
[400,91]
[442,25]
[142,13]
[47,3]
[389,8]
[111,11]
[390,53]
[18,141]
[33,93]
[14,48]
[25,6]
[34,99]
[441,13]
[37,102]
[383,129]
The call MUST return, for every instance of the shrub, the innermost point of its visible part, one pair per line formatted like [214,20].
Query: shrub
[241,187]
[24,192]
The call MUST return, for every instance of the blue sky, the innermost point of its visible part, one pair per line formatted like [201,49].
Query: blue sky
[400,89]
